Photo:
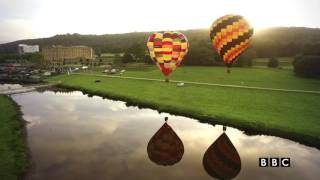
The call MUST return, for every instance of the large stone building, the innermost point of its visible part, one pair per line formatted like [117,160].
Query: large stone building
[24,48]
[61,53]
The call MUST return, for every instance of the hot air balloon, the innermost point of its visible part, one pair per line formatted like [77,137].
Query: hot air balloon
[221,160]
[230,36]
[167,50]
[165,147]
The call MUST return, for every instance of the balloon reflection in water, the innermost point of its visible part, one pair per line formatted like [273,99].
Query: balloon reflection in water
[165,147]
[221,160]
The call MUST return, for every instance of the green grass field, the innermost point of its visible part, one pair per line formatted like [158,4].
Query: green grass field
[13,156]
[287,114]
[258,77]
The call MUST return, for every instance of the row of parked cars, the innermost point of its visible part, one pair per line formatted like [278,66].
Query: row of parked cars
[113,71]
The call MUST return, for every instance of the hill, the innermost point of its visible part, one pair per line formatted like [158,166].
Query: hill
[279,41]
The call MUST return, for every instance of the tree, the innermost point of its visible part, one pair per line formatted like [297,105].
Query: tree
[35,58]
[290,49]
[81,61]
[200,53]
[245,60]
[311,49]
[273,62]
[127,58]
[147,59]
[137,51]
[307,66]
[97,51]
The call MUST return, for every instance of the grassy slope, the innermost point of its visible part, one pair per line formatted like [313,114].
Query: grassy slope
[13,156]
[291,115]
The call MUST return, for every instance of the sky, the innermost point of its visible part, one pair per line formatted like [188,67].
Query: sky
[26,19]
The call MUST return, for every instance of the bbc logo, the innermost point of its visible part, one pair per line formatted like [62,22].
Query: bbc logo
[274,162]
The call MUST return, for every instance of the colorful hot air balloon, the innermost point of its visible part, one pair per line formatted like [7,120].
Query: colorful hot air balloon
[167,50]
[230,36]
[165,147]
[222,160]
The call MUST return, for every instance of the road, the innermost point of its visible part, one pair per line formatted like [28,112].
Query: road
[23,89]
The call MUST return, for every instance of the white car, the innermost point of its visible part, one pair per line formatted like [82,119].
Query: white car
[180,84]
[47,73]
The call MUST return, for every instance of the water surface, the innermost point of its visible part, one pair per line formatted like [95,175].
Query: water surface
[72,136]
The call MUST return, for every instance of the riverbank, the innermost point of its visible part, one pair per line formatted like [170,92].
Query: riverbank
[286,114]
[13,150]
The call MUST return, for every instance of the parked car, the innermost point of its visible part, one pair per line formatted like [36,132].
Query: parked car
[113,71]
[47,73]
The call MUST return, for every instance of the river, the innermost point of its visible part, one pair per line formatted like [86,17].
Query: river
[73,136]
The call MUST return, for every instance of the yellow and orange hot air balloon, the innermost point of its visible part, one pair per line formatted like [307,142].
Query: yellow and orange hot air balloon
[230,36]
[167,50]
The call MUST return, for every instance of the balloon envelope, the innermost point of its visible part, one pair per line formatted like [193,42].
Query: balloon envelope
[167,50]
[230,36]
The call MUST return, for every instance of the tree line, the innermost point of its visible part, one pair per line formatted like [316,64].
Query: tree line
[268,43]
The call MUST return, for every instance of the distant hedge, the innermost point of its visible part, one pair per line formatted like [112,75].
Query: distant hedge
[307,66]
[273,62]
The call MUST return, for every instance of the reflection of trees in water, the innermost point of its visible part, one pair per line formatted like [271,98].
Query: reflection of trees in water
[55,90]
[165,147]
[221,160]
